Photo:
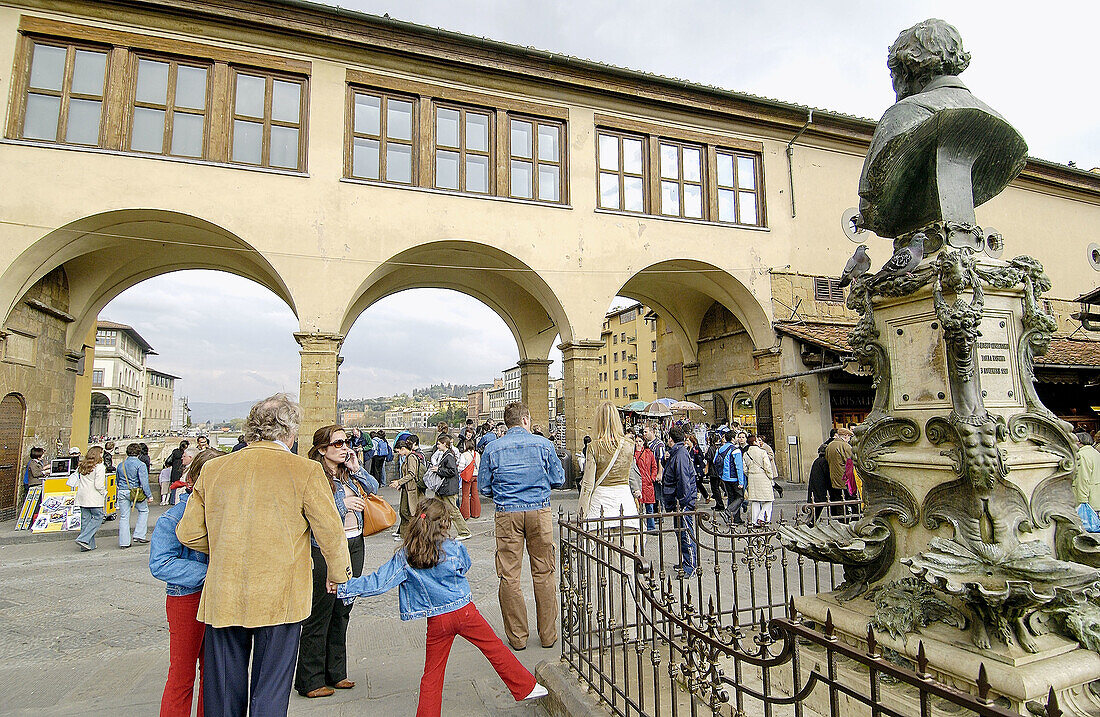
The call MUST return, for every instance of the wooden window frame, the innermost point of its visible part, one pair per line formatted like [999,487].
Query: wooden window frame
[828,290]
[679,146]
[384,96]
[462,150]
[758,186]
[269,77]
[621,172]
[170,107]
[534,160]
[24,59]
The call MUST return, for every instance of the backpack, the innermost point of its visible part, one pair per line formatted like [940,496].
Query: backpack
[728,466]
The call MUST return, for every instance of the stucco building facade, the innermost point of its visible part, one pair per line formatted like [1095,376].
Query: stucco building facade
[338,158]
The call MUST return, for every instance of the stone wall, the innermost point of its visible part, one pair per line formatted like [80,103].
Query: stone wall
[36,366]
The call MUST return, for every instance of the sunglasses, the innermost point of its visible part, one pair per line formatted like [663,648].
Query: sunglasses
[339,444]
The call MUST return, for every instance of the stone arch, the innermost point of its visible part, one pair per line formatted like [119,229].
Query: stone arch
[682,291]
[104,254]
[508,286]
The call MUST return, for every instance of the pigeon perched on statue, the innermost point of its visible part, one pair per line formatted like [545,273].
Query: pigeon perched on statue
[856,267]
[903,261]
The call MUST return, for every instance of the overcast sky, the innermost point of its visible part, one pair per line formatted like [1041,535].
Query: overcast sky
[1033,62]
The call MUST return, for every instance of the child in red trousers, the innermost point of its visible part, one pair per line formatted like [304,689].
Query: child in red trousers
[430,569]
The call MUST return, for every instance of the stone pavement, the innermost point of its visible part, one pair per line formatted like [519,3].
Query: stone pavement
[85,633]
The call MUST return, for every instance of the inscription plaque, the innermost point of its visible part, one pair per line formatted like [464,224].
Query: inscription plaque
[918,363]
[995,363]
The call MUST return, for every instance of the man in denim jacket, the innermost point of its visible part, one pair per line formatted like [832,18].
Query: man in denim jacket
[517,471]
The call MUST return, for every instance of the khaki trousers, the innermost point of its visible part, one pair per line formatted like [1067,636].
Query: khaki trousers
[456,515]
[535,529]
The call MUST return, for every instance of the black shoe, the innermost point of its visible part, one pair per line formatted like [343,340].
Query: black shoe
[140,540]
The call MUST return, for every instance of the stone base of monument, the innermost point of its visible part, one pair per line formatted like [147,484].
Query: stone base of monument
[1020,680]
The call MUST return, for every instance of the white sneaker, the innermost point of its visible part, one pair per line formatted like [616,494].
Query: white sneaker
[465,537]
[536,693]
[397,538]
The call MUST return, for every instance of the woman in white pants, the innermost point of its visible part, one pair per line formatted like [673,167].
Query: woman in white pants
[606,484]
[758,472]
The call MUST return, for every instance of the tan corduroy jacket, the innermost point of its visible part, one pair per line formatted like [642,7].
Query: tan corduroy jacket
[252,512]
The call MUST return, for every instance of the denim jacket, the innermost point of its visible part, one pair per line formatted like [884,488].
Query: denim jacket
[424,592]
[518,470]
[362,484]
[182,568]
[132,473]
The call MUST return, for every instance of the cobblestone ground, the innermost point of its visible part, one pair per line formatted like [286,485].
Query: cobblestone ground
[85,634]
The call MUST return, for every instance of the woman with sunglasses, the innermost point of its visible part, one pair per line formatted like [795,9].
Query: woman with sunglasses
[322,653]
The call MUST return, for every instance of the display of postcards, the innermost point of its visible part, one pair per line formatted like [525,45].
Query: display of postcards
[51,504]
[58,518]
[41,522]
[72,522]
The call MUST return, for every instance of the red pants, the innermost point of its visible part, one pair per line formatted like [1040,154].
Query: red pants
[471,501]
[184,652]
[469,623]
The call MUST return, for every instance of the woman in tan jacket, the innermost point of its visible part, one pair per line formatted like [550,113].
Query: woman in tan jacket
[758,472]
[606,483]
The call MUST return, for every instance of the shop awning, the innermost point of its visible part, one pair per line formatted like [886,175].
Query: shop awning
[1064,352]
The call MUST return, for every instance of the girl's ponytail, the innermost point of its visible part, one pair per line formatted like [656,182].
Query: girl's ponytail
[427,531]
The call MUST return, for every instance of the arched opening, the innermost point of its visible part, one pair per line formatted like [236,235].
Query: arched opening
[13,412]
[98,423]
[743,411]
[104,254]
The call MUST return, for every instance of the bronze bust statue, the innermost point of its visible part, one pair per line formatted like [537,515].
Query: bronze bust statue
[939,151]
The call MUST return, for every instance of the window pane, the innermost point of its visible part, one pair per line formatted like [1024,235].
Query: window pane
[83,122]
[477,132]
[284,147]
[521,139]
[521,178]
[693,201]
[247,142]
[152,82]
[670,162]
[191,87]
[148,132]
[726,211]
[40,121]
[446,169]
[549,183]
[399,163]
[89,72]
[187,135]
[477,173]
[367,114]
[691,164]
[250,96]
[548,143]
[632,156]
[725,170]
[632,189]
[609,190]
[609,153]
[446,128]
[746,173]
[364,158]
[670,198]
[48,67]
[399,119]
[746,203]
[286,103]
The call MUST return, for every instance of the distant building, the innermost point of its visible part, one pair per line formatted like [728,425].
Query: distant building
[353,418]
[156,415]
[410,417]
[118,381]
[628,359]
[511,386]
[395,418]
[181,415]
[497,401]
[476,402]
[557,387]
[449,404]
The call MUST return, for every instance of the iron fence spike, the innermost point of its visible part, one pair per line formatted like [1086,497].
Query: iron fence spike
[983,683]
[829,625]
[872,644]
[1053,710]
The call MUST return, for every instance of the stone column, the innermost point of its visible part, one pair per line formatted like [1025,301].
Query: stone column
[581,390]
[320,367]
[534,386]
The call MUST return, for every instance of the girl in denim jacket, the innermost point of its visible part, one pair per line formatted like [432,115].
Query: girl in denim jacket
[430,569]
[184,570]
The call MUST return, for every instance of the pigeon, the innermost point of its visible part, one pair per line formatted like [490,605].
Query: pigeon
[857,266]
[903,261]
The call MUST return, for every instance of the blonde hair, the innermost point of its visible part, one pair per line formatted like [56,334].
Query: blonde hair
[609,428]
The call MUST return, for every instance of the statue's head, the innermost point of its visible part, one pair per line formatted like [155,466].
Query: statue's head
[928,50]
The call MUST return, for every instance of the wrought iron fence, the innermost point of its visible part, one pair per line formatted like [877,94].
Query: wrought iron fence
[653,632]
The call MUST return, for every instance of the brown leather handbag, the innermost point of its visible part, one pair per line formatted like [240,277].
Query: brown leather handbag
[378,515]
